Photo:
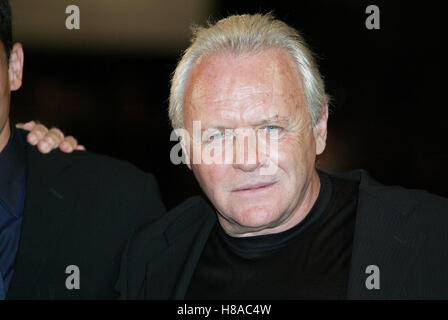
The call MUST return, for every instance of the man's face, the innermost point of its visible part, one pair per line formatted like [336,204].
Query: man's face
[260,92]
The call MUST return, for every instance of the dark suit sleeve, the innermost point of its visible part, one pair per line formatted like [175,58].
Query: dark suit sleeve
[151,204]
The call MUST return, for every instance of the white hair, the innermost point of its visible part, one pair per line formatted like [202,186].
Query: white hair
[249,33]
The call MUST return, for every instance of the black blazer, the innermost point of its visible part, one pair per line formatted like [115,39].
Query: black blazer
[403,232]
[80,209]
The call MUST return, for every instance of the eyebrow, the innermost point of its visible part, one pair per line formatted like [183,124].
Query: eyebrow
[271,120]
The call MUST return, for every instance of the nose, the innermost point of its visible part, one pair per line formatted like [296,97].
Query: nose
[245,155]
[246,166]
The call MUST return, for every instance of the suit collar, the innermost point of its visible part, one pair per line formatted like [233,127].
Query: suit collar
[186,234]
[193,213]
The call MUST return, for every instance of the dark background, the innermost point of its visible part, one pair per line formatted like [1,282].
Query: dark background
[388,86]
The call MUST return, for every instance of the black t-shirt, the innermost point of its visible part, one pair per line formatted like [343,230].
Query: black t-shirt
[309,261]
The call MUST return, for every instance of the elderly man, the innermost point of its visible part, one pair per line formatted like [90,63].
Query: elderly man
[294,232]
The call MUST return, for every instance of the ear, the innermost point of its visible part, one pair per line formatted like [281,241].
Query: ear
[15,67]
[320,131]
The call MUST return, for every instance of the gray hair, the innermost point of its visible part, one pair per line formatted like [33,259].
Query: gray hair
[249,33]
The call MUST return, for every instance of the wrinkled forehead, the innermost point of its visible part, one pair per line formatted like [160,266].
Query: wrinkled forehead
[224,88]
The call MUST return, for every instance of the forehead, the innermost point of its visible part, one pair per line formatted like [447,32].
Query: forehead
[225,89]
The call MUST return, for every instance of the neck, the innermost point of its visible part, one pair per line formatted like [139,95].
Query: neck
[5,133]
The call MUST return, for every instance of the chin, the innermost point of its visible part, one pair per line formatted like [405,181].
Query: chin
[256,217]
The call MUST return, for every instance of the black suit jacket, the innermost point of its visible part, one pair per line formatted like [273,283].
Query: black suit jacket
[80,209]
[403,232]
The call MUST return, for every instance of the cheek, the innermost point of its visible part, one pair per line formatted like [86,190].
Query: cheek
[212,178]
[4,111]
[4,100]
[296,154]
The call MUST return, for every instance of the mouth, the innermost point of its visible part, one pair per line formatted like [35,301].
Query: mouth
[255,187]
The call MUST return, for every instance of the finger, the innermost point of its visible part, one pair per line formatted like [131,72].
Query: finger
[50,141]
[69,144]
[38,132]
[81,148]
[59,134]
[27,126]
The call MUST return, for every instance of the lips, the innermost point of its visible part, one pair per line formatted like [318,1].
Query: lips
[255,186]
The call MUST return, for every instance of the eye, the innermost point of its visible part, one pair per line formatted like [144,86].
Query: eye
[272,128]
[213,136]
[271,132]
[216,136]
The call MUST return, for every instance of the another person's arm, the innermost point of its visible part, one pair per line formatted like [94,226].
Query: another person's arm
[48,139]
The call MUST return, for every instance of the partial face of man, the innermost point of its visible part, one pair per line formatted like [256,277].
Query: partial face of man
[5,93]
[260,92]
[10,79]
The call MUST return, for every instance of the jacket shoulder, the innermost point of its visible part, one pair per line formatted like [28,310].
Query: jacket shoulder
[418,208]
[90,168]
[83,161]
[410,200]
[97,164]
[101,183]
[402,199]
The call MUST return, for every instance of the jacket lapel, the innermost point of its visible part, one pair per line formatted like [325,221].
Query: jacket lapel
[48,200]
[385,236]
[185,240]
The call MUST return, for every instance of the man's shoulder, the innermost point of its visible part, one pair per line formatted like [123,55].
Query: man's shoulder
[422,209]
[406,199]
[97,181]
[86,166]
[419,206]
[82,161]
[390,193]
[97,164]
